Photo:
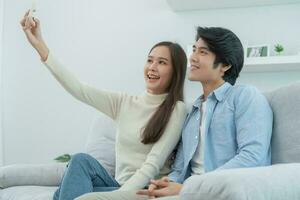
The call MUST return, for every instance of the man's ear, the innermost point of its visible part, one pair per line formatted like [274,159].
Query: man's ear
[224,67]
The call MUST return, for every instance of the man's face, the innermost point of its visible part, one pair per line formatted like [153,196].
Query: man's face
[202,64]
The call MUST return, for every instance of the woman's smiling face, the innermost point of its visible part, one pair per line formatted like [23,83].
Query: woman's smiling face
[158,70]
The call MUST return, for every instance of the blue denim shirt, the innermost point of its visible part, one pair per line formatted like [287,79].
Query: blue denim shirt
[238,131]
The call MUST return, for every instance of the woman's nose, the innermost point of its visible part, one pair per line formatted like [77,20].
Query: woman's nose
[153,66]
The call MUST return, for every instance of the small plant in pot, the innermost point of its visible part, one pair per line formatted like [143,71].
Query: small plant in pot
[63,158]
[278,48]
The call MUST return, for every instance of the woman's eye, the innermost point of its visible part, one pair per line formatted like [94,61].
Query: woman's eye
[149,61]
[162,62]
[194,50]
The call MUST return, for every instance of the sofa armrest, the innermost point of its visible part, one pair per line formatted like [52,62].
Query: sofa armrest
[274,182]
[31,174]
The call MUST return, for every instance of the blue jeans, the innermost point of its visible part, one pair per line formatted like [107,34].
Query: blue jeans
[84,174]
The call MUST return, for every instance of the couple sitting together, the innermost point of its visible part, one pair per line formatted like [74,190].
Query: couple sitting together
[228,126]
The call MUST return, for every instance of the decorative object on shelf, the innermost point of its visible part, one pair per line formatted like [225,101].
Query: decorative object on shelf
[278,48]
[63,158]
[257,51]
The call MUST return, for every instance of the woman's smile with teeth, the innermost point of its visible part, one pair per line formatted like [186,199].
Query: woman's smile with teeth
[152,76]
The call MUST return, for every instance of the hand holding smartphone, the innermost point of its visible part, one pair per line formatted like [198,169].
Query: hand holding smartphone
[31,14]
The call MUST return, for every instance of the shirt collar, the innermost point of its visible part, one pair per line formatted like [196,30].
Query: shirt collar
[218,93]
[221,91]
[198,102]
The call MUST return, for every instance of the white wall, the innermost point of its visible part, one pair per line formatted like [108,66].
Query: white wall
[1,130]
[105,43]
[255,25]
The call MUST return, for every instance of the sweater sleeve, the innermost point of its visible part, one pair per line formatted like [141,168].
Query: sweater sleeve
[160,151]
[106,102]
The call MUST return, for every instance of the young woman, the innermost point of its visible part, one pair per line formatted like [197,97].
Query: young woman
[148,125]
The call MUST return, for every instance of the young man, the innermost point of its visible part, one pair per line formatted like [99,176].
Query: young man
[228,126]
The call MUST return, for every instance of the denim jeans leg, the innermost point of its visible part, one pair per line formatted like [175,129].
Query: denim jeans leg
[83,174]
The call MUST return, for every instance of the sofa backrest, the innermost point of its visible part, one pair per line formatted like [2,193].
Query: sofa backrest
[101,142]
[285,103]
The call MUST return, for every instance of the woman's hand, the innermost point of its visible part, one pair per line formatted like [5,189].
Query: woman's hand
[32,29]
[160,188]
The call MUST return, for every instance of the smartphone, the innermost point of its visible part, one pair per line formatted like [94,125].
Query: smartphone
[32,9]
[31,13]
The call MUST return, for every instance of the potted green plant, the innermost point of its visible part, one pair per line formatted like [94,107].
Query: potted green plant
[63,158]
[278,48]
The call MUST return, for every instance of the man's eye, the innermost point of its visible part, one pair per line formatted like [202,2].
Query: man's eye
[203,52]
[194,50]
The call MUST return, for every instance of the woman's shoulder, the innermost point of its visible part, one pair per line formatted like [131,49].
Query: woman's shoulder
[180,108]
[180,105]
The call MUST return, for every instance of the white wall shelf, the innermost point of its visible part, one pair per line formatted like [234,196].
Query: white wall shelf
[272,64]
[187,5]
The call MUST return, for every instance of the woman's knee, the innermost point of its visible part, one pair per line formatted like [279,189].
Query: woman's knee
[80,158]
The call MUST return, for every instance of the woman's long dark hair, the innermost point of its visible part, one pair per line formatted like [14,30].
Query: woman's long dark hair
[158,122]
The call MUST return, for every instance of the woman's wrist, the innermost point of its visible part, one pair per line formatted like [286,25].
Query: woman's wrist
[43,51]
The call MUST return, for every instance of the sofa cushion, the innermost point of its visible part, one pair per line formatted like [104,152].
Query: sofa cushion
[275,182]
[285,103]
[101,142]
[31,174]
[27,193]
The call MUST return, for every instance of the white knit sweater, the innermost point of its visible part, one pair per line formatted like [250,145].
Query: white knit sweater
[136,163]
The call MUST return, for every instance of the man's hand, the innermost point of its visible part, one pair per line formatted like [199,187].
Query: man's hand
[161,188]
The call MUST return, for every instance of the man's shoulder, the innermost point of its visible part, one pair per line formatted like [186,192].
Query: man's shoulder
[243,88]
[243,94]
[247,97]
[244,91]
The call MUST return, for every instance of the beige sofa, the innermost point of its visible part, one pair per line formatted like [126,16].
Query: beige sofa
[281,181]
